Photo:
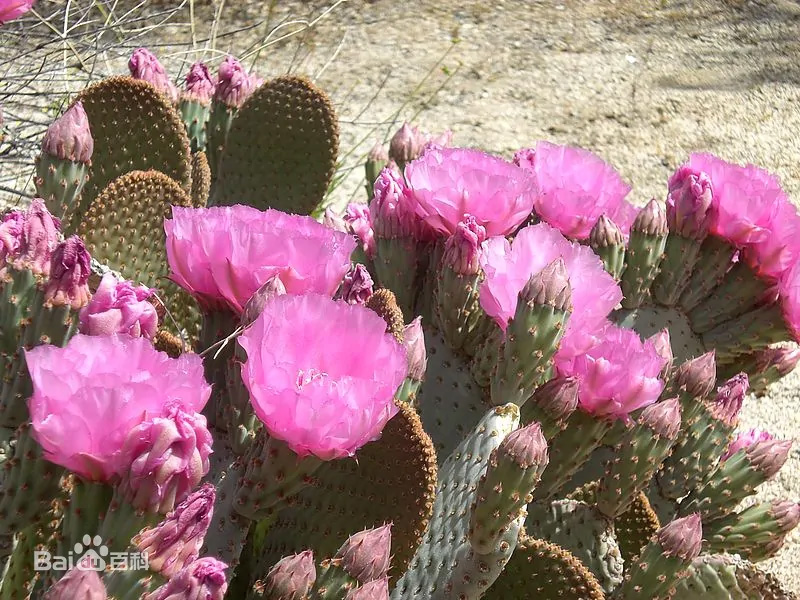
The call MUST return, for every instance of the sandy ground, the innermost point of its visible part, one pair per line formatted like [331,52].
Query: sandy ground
[642,83]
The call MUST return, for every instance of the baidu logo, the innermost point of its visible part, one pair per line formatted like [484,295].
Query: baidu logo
[90,554]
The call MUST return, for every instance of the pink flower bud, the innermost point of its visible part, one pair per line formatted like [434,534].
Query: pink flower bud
[786,514]
[406,144]
[526,447]
[768,456]
[177,540]
[377,158]
[358,218]
[39,237]
[291,578]
[200,84]
[255,306]
[414,338]
[550,287]
[663,417]
[69,275]
[729,399]
[356,285]
[605,233]
[144,65]
[558,397]
[746,439]
[663,346]
[11,232]
[365,555]
[78,584]
[689,203]
[697,376]
[69,137]
[119,307]
[390,210]
[783,359]
[373,590]
[234,85]
[682,538]
[204,579]
[166,458]
[462,249]
[651,220]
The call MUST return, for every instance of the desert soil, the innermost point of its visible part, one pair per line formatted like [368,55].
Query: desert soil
[640,82]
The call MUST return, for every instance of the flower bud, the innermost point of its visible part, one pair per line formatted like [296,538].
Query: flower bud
[414,342]
[234,85]
[11,232]
[377,158]
[651,220]
[70,269]
[144,65]
[729,399]
[78,584]
[390,212]
[290,579]
[768,455]
[689,203]
[550,287]
[255,305]
[176,541]
[663,417]
[605,233]
[204,579]
[783,359]
[462,249]
[682,538]
[697,376]
[356,285]
[746,439]
[406,144]
[200,84]
[663,346]
[69,137]
[359,221]
[365,555]
[163,459]
[786,514]
[526,447]
[119,307]
[39,237]
[374,590]
[558,398]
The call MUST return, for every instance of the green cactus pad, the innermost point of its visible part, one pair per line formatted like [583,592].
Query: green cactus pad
[134,128]
[582,530]
[680,257]
[649,320]
[450,402]
[30,483]
[281,149]
[392,480]
[124,229]
[195,115]
[642,261]
[633,528]
[59,182]
[757,532]
[201,179]
[729,577]
[445,564]
[396,266]
[458,310]
[540,570]
[754,330]
[713,262]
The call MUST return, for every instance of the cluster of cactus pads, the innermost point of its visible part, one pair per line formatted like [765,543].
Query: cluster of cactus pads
[497,379]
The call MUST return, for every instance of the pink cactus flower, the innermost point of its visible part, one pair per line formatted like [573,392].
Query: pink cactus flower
[144,65]
[508,266]
[745,439]
[618,375]
[222,255]
[165,457]
[789,292]
[204,579]
[358,219]
[119,307]
[70,267]
[13,9]
[576,187]
[29,238]
[322,374]
[88,396]
[448,183]
[746,199]
[771,257]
